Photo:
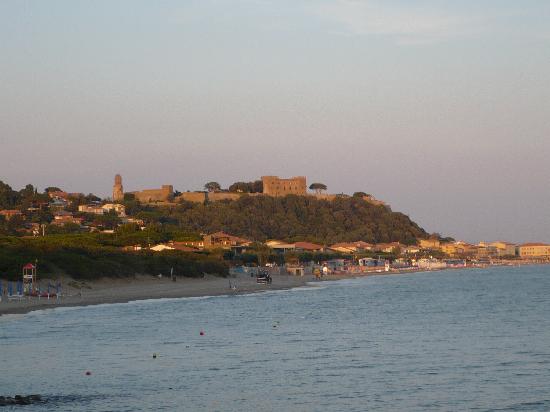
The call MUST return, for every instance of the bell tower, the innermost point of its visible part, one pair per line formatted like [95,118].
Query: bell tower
[118,190]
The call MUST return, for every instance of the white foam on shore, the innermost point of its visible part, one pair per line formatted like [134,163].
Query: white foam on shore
[309,286]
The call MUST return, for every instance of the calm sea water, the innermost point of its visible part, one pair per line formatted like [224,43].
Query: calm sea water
[443,341]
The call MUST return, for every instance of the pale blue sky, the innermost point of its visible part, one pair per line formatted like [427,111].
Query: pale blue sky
[441,108]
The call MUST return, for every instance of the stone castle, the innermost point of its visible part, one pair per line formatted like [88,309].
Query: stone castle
[164,194]
[273,186]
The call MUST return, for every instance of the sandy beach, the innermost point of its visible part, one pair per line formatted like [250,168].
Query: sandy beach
[148,287]
[109,290]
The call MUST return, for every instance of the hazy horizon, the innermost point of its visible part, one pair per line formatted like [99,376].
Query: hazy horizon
[440,109]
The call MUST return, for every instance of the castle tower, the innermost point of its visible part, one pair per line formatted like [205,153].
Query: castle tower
[118,190]
[273,186]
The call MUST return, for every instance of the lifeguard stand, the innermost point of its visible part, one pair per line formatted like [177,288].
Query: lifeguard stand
[29,278]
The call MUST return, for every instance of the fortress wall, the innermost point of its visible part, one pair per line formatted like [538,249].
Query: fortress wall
[197,197]
[164,194]
[217,196]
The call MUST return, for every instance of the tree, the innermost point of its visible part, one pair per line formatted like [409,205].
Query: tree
[52,189]
[92,198]
[318,187]
[247,187]
[8,197]
[360,194]
[28,192]
[213,187]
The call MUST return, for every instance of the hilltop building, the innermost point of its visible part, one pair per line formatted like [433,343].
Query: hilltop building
[164,194]
[118,190]
[273,186]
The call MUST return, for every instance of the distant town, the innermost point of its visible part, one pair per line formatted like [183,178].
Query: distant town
[59,212]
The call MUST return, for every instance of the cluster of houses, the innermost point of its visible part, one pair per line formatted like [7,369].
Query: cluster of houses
[59,206]
[485,250]
[448,250]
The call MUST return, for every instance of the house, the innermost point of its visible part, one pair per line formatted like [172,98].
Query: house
[172,246]
[283,247]
[392,247]
[62,220]
[449,248]
[119,209]
[308,247]
[280,246]
[352,247]
[504,248]
[485,250]
[223,240]
[93,209]
[458,249]
[534,250]
[429,243]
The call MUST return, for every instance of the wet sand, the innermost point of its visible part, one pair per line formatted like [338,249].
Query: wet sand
[109,290]
[147,287]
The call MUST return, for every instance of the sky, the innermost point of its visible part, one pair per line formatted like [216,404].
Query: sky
[440,108]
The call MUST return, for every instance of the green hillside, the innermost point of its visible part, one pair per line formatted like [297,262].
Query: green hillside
[294,218]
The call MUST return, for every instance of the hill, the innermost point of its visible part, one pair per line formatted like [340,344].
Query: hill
[294,218]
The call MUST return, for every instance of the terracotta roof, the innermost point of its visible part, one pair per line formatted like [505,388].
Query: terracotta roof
[231,237]
[534,244]
[182,247]
[307,246]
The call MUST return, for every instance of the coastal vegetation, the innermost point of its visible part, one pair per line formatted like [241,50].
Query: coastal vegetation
[294,218]
[92,256]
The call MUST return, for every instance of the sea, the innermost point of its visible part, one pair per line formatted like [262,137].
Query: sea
[454,340]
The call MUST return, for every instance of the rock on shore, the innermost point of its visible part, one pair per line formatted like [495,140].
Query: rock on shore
[20,400]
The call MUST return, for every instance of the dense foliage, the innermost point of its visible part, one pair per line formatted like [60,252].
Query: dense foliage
[296,218]
[85,257]
[247,187]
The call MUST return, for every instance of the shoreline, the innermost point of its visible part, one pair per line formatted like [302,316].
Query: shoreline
[109,291]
